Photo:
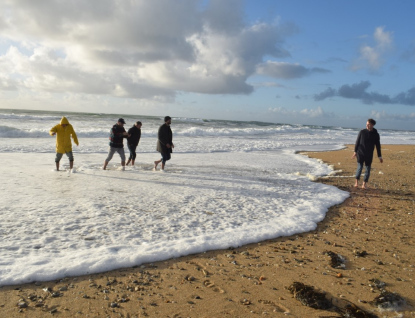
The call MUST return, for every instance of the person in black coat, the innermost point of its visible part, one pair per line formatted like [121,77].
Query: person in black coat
[164,143]
[134,135]
[363,150]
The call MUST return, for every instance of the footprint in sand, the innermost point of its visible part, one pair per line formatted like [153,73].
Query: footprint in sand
[281,308]
[277,307]
[209,284]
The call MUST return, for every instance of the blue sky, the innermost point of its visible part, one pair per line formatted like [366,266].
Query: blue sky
[333,63]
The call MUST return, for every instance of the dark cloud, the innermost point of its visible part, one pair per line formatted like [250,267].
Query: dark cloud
[334,60]
[329,92]
[356,91]
[359,91]
[286,70]
[224,16]
[405,98]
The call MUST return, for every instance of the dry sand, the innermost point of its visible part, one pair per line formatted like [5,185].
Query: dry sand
[373,230]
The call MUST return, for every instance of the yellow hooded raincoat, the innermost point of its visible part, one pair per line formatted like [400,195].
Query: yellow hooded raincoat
[63,136]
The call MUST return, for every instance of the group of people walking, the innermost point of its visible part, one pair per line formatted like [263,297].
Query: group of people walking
[365,144]
[117,135]
[64,132]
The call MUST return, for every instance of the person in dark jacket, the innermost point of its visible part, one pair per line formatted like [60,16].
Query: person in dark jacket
[164,143]
[117,135]
[134,135]
[363,150]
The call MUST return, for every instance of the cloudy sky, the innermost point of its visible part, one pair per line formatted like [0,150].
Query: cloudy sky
[320,62]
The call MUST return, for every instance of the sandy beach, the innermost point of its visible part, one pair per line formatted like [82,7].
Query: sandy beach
[371,233]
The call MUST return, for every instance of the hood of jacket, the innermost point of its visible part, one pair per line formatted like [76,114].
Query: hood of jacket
[64,121]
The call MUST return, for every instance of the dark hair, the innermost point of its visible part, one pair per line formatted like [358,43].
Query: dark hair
[138,123]
[167,118]
[372,121]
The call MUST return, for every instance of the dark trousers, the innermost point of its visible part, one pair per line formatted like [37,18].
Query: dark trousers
[165,156]
[359,171]
[132,149]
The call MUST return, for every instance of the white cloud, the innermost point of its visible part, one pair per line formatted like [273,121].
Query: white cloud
[383,39]
[137,49]
[44,71]
[318,112]
[379,115]
[281,110]
[304,113]
[373,57]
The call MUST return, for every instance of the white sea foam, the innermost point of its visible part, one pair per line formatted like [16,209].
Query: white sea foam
[228,184]
[56,224]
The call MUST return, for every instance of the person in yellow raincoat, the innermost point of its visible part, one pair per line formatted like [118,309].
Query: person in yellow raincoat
[64,131]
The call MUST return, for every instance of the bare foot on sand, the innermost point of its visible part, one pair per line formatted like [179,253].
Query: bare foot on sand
[355,184]
[155,165]
[364,185]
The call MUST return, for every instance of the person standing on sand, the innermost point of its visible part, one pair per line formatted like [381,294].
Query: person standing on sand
[134,135]
[64,131]
[164,143]
[117,135]
[365,145]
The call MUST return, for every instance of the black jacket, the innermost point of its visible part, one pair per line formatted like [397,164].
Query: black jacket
[135,133]
[116,136]
[365,144]
[165,136]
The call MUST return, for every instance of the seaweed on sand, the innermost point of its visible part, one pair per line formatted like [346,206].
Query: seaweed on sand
[352,311]
[389,301]
[336,260]
[377,283]
[309,297]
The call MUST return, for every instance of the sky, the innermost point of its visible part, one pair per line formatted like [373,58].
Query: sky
[320,62]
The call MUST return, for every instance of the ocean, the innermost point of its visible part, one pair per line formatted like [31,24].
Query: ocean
[229,183]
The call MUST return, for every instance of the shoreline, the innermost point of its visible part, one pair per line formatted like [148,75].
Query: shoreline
[252,280]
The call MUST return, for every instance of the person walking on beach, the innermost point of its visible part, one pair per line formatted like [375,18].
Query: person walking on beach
[365,144]
[134,135]
[117,135]
[164,143]
[64,131]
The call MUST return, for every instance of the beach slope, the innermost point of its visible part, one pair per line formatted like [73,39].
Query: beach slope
[363,247]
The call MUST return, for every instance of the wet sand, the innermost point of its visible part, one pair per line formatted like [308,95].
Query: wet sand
[373,231]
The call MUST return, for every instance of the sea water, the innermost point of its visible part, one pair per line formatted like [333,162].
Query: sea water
[228,183]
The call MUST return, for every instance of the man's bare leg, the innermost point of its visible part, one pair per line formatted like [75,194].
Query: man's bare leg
[128,162]
[105,165]
[156,164]
[123,165]
[364,185]
[70,164]
[356,184]
[162,165]
[132,162]
[57,166]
